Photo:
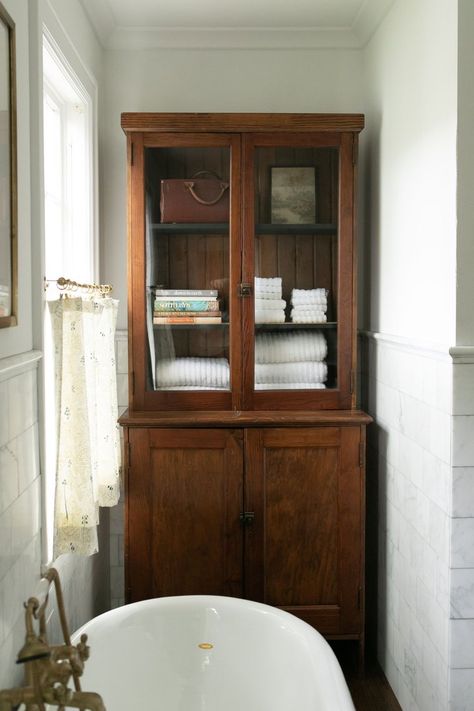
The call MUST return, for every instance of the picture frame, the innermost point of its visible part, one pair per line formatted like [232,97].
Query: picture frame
[8,173]
[293,194]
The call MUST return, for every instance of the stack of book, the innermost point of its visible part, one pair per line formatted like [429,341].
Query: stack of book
[180,306]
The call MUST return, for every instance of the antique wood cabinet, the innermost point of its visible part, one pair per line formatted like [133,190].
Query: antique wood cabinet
[244,448]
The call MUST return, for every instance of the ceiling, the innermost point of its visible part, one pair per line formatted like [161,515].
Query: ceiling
[135,24]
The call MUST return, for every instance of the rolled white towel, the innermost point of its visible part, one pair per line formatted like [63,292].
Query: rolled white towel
[301,372]
[264,304]
[301,315]
[309,296]
[199,372]
[268,287]
[290,386]
[290,347]
[270,316]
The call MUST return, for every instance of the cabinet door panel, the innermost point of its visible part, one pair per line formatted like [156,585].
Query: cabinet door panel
[304,551]
[184,502]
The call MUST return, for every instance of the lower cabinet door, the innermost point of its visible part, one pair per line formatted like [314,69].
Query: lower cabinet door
[304,546]
[184,498]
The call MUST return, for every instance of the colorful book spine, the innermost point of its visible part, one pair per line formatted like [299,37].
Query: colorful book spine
[186,293]
[185,305]
[184,314]
[186,319]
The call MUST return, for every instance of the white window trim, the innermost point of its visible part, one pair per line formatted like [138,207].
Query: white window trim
[81,77]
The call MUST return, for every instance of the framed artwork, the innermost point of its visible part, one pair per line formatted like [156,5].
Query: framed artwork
[293,195]
[8,173]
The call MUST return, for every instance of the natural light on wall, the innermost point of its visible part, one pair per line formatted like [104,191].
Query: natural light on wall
[70,240]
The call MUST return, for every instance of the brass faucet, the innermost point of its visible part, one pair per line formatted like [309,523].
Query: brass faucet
[48,669]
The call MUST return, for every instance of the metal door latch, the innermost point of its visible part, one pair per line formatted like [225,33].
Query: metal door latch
[245,289]
[247,517]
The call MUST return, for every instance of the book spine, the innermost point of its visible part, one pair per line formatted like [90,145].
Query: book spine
[180,305]
[184,314]
[186,293]
[187,319]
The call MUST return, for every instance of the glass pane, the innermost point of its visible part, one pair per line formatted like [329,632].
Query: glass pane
[187,279]
[296,257]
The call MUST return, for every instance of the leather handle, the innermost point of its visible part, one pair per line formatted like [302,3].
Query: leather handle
[190,186]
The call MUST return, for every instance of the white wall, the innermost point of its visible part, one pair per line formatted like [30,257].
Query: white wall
[410,74]
[85,580]
[207,80]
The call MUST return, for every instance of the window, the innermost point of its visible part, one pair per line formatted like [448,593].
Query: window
[69,217]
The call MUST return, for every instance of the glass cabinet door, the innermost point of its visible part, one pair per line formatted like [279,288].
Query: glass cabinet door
[300,254]
[188,308]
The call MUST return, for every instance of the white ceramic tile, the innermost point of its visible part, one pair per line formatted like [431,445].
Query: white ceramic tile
[462,543]
[444,386]
[437,477]
[440,435]
[410,460]
[463,441]
[8,475]
[461,692]
[463,389]
[28,457]
[122,390]
[415,420]
[122,355]
[5,542]
[463,491]
[26,517]
[4,419]
[23,402]
[462,644]
[439,532]
[462,593]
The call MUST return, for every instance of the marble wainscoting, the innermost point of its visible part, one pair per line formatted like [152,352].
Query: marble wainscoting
[462,538]
[407,388]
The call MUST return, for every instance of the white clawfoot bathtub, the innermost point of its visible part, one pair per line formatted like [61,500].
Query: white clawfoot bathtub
[205,653]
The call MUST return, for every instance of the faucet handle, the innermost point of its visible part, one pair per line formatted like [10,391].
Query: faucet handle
[83,648]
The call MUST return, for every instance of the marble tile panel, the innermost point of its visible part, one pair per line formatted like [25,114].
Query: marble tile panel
[5,407]
[437,481]
[439,532]
[463,491]
[8,474]
[23,402]
[410,460]
[415,420]
[461,691]
[463,389]
[462,543]
[463,441]
[28,457]
[440,429]
[122,390]
[462,644]
[462,593]
[6,555]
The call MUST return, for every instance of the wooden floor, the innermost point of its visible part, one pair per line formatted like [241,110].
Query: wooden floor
[370,691]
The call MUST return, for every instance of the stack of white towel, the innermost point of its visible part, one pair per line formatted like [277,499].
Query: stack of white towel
[269,306]
[290,361]
[192,374]
[309,305]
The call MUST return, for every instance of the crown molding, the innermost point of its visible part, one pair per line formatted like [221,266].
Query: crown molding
[113,36]
[370,16]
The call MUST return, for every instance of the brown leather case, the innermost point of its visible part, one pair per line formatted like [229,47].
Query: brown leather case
[199,199]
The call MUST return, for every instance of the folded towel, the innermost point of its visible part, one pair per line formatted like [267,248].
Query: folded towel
[302,372]
[198,372]
[263,304]
[309,296]
[290,347]
[268,287]
[308,315]
[270,316]
[289,386]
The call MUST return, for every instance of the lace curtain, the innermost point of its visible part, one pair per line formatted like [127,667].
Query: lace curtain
[88,438]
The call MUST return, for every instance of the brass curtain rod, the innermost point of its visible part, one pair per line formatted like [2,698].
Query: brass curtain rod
[64,284]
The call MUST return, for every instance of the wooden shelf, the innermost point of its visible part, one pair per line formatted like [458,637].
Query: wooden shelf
[290,326]
[207,228]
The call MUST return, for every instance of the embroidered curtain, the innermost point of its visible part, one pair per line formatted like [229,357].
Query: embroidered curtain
[88,438]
